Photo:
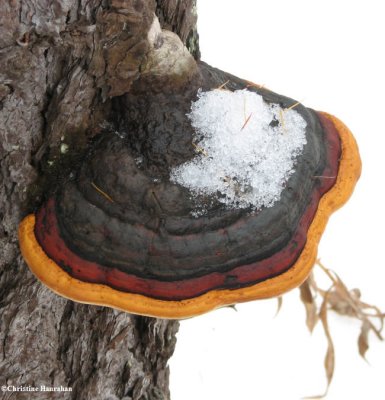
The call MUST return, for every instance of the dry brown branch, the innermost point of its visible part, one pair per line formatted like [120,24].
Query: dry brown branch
[340,299]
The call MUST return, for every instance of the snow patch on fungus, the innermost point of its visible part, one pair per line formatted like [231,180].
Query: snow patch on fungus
[246,149]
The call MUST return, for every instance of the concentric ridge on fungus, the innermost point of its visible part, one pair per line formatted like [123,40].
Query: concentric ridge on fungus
[115,236]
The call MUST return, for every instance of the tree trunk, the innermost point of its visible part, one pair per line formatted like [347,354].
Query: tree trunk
[61,63]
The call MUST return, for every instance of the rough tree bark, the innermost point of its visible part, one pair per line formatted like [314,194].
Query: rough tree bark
[61,63]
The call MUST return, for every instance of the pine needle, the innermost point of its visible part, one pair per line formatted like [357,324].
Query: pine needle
[282,114]
[255,85]
[324,177]
[199,149]
[293,106]
[247,120]
[223,86]
[104,194]
[282,120]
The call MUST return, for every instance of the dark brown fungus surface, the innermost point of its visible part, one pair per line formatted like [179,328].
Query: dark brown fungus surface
[122,235]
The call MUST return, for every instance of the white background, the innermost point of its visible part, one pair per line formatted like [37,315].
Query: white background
[329,55]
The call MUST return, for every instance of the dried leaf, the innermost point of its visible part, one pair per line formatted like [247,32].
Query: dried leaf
[350,298]
[306,294]
[338,302]
[375,314]
[344,302]
[363,342]
[310,305]
[279,305]
[329,358]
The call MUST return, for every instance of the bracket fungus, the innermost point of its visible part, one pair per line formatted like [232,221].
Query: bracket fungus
[129,233]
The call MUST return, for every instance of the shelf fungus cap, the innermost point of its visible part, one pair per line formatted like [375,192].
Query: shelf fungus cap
[125,235]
